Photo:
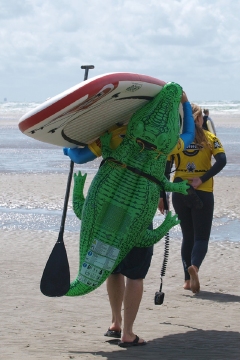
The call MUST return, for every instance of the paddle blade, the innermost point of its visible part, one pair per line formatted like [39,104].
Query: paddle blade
[56,275]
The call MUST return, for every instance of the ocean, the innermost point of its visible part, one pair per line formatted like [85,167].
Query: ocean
[20,154]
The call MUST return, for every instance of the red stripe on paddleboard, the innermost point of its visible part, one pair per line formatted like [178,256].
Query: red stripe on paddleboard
[90,89]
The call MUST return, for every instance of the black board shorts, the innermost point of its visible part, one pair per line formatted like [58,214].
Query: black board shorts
[137,262]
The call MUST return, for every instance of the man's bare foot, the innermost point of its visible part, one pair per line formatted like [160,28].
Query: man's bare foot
[194,280]
[186,285]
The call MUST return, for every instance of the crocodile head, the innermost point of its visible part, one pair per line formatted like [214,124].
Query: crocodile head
[156,125]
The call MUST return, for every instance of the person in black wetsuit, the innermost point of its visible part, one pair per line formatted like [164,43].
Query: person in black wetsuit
[195,210]
[206,118]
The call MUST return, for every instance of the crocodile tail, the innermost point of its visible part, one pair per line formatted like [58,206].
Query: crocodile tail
[83,285]
[77,288]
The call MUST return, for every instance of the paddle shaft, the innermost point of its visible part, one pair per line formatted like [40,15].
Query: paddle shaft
[64,214]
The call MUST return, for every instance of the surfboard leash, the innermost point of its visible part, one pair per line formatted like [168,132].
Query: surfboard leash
[159,295]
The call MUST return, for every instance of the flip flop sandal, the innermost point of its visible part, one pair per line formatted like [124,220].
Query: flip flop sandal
[131,343]
[113,333]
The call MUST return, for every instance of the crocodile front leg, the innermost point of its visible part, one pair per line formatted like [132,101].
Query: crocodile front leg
[151,237]
[105,145]
[78,197]
[180,187]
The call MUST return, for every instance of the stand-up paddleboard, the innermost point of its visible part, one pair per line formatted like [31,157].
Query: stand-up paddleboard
[82,113]
[211,127]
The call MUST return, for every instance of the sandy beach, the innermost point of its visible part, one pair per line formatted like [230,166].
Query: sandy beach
[204,326]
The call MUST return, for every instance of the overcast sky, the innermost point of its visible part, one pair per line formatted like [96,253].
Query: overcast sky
[195,43]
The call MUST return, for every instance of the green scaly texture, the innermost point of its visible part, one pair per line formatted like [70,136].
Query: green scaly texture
[121,204]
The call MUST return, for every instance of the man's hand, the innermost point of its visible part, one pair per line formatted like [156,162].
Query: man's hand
[161,206]
[184,97]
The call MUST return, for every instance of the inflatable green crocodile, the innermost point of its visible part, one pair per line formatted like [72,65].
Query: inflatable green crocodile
[123,197]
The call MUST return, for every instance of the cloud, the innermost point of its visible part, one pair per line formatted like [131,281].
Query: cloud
[43,44]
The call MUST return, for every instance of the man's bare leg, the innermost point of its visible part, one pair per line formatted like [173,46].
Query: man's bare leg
[115,289]
[132,298]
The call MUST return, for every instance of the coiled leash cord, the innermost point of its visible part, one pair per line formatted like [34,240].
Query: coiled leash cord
[159,295]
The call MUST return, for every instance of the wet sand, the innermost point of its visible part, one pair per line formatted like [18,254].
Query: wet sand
[186,326]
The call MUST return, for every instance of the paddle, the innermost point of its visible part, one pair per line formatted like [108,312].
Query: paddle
[55,279]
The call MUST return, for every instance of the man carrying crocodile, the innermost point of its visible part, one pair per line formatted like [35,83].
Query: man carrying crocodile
[136,263]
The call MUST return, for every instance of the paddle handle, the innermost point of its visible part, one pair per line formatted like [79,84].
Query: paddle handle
[86,67]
